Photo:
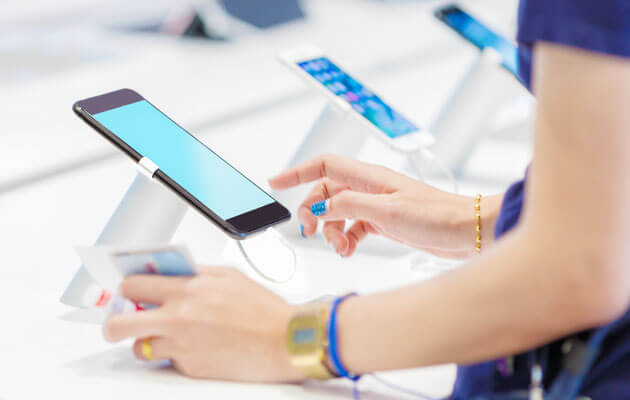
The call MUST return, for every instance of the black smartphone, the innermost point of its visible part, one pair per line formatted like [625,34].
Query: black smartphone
[184,164]
[479,34]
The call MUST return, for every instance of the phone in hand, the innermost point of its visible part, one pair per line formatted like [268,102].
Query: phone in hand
[477,33]
[183,163]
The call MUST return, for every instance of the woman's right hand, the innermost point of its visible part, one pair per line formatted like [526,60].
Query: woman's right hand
[380,201]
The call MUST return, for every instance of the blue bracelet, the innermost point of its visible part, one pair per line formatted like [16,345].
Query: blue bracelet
[332,340]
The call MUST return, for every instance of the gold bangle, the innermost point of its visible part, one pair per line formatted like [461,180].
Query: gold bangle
[478,223]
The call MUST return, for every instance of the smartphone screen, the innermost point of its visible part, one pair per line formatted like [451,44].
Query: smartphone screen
[360,98]
[186,161]
[480,35]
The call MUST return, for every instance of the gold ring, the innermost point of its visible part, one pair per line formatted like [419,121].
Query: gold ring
[147,349]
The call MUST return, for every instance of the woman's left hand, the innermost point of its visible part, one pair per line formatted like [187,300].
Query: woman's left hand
[217,324]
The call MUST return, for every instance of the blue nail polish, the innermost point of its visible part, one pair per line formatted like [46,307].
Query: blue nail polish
[302,231]
[319,208]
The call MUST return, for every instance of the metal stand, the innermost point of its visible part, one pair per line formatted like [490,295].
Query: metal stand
[462,122]
[148,214]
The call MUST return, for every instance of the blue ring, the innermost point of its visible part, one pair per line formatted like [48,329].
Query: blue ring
[332,340]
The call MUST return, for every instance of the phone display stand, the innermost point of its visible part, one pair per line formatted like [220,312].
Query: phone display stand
[150,213]
[460,125]
[463,120]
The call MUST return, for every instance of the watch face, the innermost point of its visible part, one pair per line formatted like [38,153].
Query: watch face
[304,336]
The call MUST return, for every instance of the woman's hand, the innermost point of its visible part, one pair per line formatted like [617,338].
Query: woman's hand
[218,324]
[381,201]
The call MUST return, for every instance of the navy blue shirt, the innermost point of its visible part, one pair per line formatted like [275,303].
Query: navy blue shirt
[601,26]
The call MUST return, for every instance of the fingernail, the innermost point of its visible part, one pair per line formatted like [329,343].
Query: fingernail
[302,231]
[320,208]
[337,246]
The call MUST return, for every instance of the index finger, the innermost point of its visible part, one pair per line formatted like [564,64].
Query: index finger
[357,175]
[138,324]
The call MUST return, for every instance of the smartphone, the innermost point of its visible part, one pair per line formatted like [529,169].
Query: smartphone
[184,164]
[479,34]
[345,91]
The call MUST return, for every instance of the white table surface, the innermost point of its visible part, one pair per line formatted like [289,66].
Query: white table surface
[65,181]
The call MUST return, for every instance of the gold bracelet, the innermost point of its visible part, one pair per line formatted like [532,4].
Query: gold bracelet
[478,223]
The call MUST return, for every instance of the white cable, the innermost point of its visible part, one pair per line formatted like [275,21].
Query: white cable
[416,168]
[356,394]
[260,270]
[423,152]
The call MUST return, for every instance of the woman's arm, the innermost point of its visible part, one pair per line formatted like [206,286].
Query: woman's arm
[563,269]
[381,201]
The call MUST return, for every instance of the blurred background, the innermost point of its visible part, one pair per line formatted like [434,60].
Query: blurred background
[209,63]
[212,66]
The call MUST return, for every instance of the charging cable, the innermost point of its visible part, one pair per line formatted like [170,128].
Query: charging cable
[400,389]
[429,156]
[356,393]
[262,254]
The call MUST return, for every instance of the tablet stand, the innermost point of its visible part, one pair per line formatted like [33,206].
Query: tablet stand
[148,214]
[462,121]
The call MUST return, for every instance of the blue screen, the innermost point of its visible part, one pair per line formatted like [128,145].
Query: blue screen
[197,169]
[360,98]
[304,336]
[483,37]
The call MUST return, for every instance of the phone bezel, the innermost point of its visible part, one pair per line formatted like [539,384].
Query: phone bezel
[409,142]
[238,227]
[441,13]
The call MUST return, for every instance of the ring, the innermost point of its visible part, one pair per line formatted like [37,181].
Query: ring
[147,349]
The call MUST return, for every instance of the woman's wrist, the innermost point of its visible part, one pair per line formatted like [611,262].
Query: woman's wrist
[287,370]
[349,325]
[461,222]
[490,210]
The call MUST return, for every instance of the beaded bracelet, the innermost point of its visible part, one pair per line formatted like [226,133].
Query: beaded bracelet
[478,223]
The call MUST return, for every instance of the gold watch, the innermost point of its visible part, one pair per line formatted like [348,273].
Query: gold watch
[307,341]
